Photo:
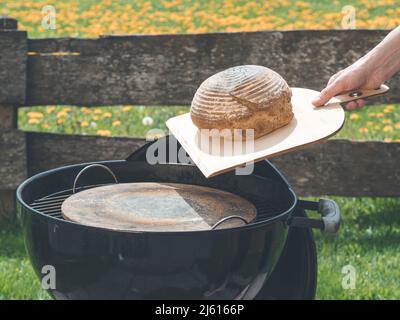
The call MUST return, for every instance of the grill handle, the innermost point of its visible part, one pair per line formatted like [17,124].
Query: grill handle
[94,165]
[330,216]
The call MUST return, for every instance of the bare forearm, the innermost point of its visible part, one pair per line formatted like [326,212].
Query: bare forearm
[369,72]
[384,59]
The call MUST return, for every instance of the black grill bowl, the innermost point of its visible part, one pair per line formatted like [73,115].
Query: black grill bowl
[96,263]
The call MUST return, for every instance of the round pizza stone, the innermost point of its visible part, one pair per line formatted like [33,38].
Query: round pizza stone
[149,206]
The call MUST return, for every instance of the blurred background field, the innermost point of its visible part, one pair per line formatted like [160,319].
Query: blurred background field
[372,123]
[92,18]
[370,233]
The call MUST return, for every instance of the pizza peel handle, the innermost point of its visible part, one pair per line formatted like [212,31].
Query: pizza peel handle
[358,94]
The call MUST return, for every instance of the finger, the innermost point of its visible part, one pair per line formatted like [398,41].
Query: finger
[330,91]
[334,77]
[352,105]
[356,104]
[361,103]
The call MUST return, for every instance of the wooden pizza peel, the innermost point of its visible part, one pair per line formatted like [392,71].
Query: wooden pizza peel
[309,125]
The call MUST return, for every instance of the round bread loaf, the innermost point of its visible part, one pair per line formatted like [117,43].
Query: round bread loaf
[243,97]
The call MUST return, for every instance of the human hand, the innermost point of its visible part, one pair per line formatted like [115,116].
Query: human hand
[356,76]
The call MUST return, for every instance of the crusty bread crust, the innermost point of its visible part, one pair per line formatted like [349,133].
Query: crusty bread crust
[243,97]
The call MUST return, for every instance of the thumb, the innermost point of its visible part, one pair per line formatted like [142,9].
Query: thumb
[330,91]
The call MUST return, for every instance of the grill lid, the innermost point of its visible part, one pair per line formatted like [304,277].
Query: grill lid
[151,206]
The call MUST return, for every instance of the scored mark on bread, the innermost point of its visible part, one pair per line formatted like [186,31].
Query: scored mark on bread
[253,107]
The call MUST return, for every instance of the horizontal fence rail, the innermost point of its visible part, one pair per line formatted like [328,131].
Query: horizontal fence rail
[334,167]
[167,69]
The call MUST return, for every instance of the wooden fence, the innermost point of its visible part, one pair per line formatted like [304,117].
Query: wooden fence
[166,70]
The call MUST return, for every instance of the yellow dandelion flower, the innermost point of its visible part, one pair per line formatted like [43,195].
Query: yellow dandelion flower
[387,128]
[302,4]
[127,108]
[60,121]
[50,109]
[116,123]
[370,123]
[379,115]
[387,121]
[35,115]
[354,116]
[62,114]
[397,125]
[67,110]
[389,109]
[95,118]
[371,114]
[33,121]
[85,110]
[45,125]
[376,127]
[153,136]
[84,124]
[387,139]
[363,130]
[107,115]
[98,111]
[104,133]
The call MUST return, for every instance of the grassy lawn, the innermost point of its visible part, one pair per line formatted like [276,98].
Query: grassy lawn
[17,279]
[370,233]
[378,122]
[368,240]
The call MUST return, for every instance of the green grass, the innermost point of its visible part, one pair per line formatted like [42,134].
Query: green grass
[115,121]
[368,240]
[17,278]
[375,122]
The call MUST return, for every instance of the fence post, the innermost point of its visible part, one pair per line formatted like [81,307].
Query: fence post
[13,47]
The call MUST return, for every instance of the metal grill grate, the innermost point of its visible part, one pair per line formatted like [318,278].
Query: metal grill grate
[51,205]
[266,208]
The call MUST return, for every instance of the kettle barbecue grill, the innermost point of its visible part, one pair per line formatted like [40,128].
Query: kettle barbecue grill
[271,257]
